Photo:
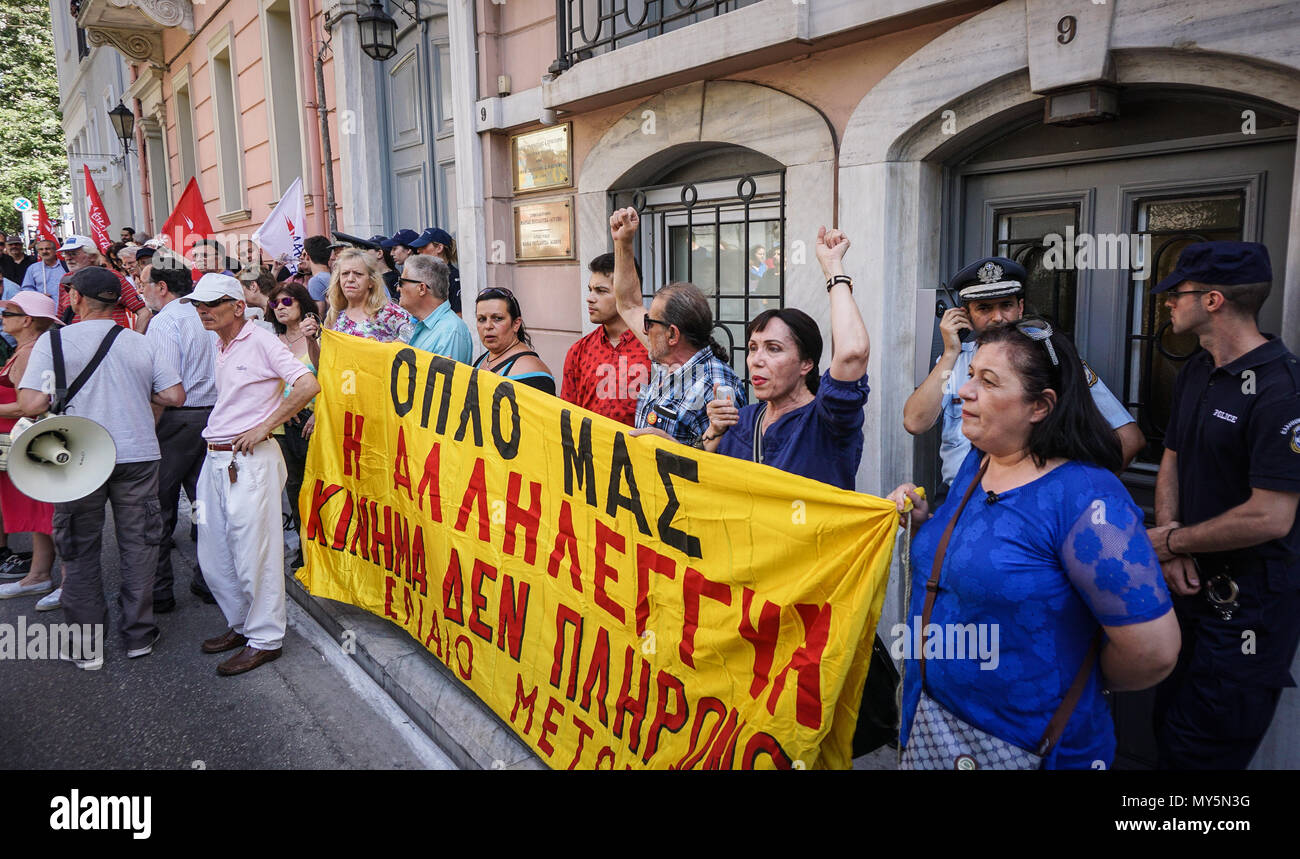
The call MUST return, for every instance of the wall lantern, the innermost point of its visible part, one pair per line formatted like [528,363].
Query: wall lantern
[378,33]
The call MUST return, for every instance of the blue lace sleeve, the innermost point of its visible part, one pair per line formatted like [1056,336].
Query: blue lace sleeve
[1112,565]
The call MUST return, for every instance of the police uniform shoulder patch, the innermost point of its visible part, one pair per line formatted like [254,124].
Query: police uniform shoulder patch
[1088,373]
[1292,429]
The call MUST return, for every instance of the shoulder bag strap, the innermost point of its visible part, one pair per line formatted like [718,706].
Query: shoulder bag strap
[86,372]
[60,375]
[932,586]
[756,443]
[1056,726]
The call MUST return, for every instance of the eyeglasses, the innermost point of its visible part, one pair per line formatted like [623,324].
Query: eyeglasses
[1039,330]
[411,280]
[10,314]
[648,321]
[1177,295]
[213,305]
[282,302]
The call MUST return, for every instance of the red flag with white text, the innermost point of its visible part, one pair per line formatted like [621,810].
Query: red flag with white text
[98,217]
[44,229]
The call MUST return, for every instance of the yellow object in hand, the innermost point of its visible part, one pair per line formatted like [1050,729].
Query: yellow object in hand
[907,501]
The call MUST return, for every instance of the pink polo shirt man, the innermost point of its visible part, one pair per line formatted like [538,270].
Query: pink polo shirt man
[241,544]
[251,374]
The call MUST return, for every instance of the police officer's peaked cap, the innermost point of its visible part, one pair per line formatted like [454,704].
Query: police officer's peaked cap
[990,277]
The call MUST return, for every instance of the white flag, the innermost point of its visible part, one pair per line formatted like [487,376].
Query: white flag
[282,235]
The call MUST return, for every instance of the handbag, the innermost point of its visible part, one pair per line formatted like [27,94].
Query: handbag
[940,740]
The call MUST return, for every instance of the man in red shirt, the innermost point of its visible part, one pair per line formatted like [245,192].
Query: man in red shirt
[79,252]
[604,371]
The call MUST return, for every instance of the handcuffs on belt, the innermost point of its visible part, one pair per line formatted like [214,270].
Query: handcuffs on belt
[1221,592]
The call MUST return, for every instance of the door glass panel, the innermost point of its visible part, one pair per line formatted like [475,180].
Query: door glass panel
[1155,353]
[1021,236]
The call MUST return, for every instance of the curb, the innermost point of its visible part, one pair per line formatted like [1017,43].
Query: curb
[459,723]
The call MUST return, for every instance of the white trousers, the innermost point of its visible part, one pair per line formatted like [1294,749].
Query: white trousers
[241,540]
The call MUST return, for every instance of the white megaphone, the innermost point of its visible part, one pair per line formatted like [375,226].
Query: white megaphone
[57,458]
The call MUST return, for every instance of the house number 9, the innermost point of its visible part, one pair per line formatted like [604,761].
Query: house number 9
[1065,29]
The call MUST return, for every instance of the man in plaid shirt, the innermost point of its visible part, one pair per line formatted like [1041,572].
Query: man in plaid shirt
[687,366]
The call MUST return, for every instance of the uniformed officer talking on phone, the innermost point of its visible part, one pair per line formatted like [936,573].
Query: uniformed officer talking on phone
[1226,502]
[991,292]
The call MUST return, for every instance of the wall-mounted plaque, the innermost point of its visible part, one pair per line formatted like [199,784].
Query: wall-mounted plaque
[544,230]
[542,158]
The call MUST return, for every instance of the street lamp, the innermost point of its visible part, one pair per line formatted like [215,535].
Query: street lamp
[123,126]
[378,33]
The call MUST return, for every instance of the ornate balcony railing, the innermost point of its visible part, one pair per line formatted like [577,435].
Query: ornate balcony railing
[585,28]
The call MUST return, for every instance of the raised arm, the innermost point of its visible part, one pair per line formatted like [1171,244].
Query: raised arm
[623,225]
[850,344]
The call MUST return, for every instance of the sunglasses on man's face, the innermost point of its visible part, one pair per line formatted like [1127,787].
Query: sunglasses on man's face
[213,305]
[412,281]
[647,322]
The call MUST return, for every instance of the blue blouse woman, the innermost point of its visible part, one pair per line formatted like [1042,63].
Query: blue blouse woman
[1036,569]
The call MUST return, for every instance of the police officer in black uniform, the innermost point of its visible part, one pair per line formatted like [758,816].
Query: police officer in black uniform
[1226,498]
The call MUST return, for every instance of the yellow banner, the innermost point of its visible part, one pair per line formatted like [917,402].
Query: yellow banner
[620,602]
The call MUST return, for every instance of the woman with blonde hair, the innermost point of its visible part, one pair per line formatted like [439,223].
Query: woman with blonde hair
[359,303]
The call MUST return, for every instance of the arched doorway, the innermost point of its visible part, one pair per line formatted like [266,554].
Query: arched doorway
[709,213]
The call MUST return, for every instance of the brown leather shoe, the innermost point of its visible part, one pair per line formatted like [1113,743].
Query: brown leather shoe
[228,640]
[246,660]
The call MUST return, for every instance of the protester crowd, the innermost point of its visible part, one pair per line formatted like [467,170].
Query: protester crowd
[208,384]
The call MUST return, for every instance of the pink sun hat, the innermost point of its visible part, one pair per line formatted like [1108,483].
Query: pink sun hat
[34,304]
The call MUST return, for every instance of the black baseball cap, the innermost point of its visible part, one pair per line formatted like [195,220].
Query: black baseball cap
[1219,264]
[96,282]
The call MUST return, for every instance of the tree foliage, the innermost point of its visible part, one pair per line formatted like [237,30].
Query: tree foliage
[33,159]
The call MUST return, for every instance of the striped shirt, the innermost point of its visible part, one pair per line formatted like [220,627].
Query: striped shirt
[176,334]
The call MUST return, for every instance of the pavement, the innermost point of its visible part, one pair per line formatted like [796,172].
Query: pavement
[311,709]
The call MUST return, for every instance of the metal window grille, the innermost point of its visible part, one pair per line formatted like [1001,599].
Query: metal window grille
[585,28]
[1155,352]
[705,232]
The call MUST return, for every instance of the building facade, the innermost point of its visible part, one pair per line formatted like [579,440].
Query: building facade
[92,81]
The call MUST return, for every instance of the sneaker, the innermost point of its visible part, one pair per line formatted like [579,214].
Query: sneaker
[84,664]
[146,649]
[9,590]
[16,565]
[50,601]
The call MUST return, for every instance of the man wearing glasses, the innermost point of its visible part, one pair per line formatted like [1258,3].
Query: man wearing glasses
[422,290]
[241,547]
[991,292]
[687,365]
[1227,533]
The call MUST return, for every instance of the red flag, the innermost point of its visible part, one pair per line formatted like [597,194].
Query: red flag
[98,217]
[44,230]
[189,222]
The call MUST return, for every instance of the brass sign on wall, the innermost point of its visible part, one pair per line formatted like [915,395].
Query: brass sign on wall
[542,159]
[544,230]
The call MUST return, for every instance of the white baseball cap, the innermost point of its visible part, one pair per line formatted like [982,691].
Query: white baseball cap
[214,287]
[77,243]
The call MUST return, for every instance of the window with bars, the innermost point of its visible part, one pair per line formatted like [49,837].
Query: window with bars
[585,28]
[726,236]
